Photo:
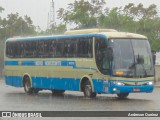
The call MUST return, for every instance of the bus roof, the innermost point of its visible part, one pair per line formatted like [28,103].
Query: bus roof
[109,33]
[87,31]
[124,35]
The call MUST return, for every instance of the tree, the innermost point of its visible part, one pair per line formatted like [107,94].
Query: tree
[82,13]
[130,18]
[1,9]
[56,29]
[15,25]
[139,12]
[116,20]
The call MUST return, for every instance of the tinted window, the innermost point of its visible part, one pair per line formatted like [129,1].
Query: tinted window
[85,47]
[57,48]
[70,48]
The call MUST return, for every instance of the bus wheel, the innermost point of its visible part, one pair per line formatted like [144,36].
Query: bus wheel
[27,86]
[122,95]
[88,90]
[58,92]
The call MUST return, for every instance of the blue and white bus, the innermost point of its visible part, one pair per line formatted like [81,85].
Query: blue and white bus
[93,61]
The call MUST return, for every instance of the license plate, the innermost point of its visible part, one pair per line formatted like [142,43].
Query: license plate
[136,90]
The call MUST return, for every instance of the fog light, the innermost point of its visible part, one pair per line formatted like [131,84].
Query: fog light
[114,89]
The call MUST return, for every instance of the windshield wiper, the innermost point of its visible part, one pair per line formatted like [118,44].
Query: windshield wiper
[140,60]
[145,72]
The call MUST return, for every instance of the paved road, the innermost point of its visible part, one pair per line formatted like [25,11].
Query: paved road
[12,98]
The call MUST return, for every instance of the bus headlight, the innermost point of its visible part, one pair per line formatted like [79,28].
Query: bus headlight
[119,83]
[150,83]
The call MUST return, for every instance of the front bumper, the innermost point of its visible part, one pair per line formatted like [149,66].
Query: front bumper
[114,88]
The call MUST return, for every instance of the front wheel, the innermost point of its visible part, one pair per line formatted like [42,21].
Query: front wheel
[88,90]
[122,95]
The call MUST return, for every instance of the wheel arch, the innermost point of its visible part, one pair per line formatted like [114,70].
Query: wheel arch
[82,81]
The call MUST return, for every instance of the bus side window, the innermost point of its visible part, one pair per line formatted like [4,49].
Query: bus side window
[9,51]
[34,49]
[40,48]
[59,48]
[53,48]
[46,47]
[90,48]
[49,50]
[80,47]
[67,45]
[74,47]
[15,50]
[70,49]
[85,47]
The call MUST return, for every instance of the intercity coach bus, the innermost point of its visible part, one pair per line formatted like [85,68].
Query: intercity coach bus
[93,61]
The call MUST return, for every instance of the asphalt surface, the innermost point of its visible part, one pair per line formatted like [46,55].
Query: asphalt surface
[15,99]
[12,98]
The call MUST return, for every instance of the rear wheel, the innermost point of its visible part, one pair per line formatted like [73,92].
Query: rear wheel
[122,95]
[88,90]
[27,86]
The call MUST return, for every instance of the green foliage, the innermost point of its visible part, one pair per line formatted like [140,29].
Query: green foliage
[82,13]
[1,9]
[56,29]
[14,25]
[130,18]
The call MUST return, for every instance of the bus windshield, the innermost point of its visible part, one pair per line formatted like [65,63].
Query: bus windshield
[132,58]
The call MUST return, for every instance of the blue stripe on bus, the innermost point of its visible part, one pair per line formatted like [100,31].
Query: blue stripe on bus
[100,86]
[46,83]
[53,83]
[45,63]
[60,37]
[56,83]
[28,63]
[11,63]
[14,81]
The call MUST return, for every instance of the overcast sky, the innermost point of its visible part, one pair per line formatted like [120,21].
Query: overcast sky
[38,9]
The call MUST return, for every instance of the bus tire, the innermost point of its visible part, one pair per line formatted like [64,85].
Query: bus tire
[122,95]
[27,85]
[58,92]
[88,90]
